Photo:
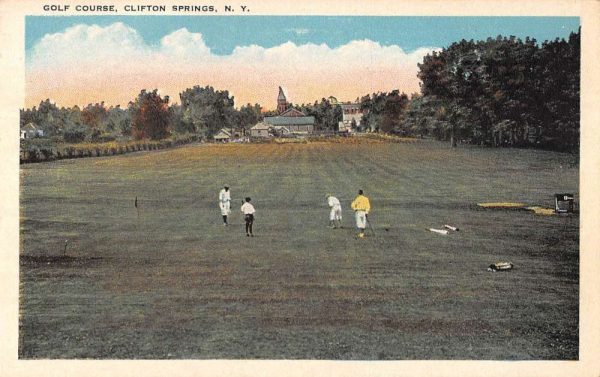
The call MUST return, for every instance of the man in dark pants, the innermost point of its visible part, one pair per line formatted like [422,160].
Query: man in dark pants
[248,211]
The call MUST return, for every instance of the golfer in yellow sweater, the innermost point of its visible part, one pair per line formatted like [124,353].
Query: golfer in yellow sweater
[361,207]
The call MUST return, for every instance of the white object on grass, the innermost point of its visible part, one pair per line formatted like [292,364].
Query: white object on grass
[500,266]
[450,227]
[439,231]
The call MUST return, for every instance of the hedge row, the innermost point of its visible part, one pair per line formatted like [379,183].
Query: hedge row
[340,139]
[50,152]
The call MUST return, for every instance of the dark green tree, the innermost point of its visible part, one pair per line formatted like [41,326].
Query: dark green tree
[394,107]
[207,110]
[502,91]
[248,116]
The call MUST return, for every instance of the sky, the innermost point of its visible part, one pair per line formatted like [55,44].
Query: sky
[79,60]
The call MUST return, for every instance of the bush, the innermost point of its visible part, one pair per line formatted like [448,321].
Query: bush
[105,138]
[74,135]
[95,136]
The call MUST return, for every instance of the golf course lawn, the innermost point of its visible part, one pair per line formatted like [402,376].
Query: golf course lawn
[168,280]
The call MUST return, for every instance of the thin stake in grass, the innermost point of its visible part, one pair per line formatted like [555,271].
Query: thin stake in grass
[135,203]
[65,249]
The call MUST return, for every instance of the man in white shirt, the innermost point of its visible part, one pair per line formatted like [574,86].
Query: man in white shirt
[225,203]
[248,211]
[335,214]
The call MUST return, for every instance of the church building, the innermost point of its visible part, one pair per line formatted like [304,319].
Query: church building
[289,118]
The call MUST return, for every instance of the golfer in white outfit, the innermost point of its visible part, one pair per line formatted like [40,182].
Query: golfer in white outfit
[225,203]
[335,214]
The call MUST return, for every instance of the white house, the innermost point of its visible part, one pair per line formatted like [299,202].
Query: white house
[351,111]
[31,130]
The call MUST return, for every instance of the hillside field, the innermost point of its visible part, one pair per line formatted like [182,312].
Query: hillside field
[168,280]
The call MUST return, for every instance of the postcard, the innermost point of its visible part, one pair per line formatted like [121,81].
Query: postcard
[299,188]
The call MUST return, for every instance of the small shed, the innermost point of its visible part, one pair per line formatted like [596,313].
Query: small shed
[281,131]
[223,136]
[261,130]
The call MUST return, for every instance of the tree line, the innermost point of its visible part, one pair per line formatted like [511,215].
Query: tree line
[498,92]
[202,111]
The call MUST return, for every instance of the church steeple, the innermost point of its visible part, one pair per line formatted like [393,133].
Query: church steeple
[281,102]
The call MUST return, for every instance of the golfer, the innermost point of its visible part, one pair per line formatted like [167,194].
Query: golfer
[335,214]
[225,203]
[361,207]
[248,211]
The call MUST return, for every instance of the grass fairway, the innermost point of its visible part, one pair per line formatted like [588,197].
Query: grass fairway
[172,282]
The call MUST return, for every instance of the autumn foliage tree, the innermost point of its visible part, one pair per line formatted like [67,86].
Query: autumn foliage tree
[94,115]
[150,116]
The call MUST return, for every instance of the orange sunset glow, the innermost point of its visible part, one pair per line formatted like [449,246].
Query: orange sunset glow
[121,67]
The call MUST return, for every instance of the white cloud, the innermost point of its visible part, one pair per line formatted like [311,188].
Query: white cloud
[88,42]
[183,44]
[90,55]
